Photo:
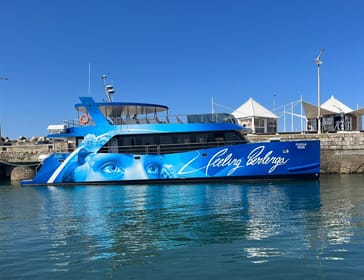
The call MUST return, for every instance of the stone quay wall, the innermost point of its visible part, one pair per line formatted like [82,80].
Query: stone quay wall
[25,152]
[340,152]
[19,160]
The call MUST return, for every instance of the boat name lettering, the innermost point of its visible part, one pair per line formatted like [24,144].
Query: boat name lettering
[220,159]
[257,157]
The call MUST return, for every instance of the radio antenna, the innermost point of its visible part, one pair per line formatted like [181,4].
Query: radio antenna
[89,79]
[109,89]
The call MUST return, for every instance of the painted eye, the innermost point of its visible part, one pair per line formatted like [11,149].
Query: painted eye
[153,169]
[112,168]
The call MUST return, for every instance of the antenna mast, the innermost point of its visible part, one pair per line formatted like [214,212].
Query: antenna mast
[109,89]
[89,79]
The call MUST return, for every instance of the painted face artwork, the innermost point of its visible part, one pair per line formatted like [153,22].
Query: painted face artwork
[115,167]
[90,165]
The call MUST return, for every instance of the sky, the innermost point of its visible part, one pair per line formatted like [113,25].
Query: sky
[180,53]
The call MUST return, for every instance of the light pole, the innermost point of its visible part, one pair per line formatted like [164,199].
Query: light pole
[318,61]
[1,142]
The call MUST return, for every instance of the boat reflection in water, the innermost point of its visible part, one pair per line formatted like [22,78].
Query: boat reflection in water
[131,224]
[193,231]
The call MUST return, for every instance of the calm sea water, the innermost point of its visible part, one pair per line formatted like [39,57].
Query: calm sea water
[286,230]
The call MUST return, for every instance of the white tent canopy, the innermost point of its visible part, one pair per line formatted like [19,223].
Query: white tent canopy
[330,107]
[256,117]
[334,105]
[312,110]
[251,108]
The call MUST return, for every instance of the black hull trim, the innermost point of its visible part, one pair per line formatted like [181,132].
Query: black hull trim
[260,178]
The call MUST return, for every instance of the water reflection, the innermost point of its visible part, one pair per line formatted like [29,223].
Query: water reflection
[128,223]
[93,227]
[341,214]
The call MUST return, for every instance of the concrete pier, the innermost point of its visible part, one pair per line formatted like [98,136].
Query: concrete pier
[19,159]
[340,153]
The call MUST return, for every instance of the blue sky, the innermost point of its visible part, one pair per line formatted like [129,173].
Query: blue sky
[174,52]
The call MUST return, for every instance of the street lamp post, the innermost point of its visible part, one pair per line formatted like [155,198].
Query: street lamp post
[1,143]
[318,61]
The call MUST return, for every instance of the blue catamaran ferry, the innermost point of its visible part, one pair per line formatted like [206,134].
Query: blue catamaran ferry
[121,142]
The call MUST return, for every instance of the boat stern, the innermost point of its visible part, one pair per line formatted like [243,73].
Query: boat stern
[48,166]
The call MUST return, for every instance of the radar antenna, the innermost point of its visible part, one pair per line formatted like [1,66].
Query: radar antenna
[317,60]
[109,89]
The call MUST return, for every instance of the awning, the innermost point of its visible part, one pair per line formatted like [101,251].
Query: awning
[312,110]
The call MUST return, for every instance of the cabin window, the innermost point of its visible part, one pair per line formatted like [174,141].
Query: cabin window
[200,138]
[170,142]
[147,140]
[114,146]
[165,139]
[233,136]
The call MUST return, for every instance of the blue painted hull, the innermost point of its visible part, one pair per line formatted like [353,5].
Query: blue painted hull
[266,160]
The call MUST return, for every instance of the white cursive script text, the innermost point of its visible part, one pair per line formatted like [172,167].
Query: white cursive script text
[258,157]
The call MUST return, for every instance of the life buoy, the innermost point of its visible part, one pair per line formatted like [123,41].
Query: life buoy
[84,119]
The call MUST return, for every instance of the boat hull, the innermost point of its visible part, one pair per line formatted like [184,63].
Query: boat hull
[251,161]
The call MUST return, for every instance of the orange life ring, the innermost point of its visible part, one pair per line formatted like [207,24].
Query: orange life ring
[84,119]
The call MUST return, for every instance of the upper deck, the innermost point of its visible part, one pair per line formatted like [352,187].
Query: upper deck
[117,113]
[98,117]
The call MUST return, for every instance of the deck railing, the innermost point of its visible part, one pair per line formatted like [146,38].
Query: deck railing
[170,119]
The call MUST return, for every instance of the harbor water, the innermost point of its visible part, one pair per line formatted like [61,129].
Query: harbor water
[252,230]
